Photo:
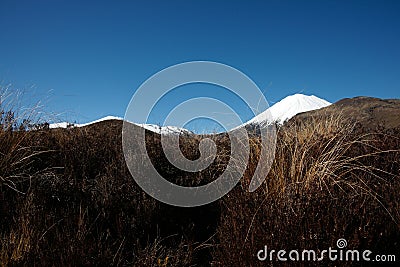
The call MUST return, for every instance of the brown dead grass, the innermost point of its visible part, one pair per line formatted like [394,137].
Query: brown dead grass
[67,198]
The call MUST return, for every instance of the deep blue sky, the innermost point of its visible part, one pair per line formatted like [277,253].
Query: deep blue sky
[87,59]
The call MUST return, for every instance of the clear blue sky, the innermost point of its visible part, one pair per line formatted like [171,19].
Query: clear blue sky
[88,58]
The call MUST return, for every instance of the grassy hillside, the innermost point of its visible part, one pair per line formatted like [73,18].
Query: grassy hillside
[67,198]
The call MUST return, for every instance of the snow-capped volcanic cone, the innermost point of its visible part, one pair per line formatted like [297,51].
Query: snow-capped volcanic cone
[288,108]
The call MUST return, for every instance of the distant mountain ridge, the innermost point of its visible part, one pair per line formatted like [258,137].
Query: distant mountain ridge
[279,112]
[150,127]
[368,111]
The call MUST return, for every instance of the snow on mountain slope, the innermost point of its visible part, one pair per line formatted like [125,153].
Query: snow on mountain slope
[288,108]
[150,127]
[107,118]
[66,124]
[163,129]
